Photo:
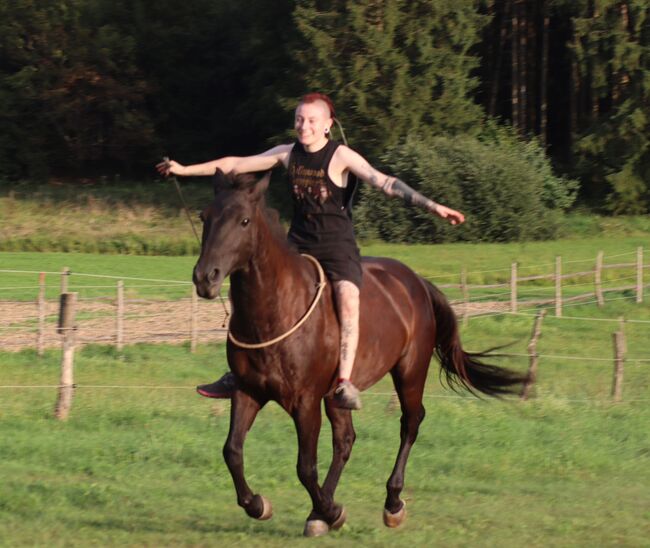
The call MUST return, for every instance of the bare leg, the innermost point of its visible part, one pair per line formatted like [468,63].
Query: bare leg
[347,307]
[243,411]
[343,437]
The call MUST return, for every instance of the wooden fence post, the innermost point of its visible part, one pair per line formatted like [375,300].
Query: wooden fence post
[598,273]
[558,286]
[513,287]
[193,314]
[393,404]
[533,356]
[119,320]
[465,291]
[66,328]
[639,274]
[619,357]
[40,341]
[65,274]
[621,328]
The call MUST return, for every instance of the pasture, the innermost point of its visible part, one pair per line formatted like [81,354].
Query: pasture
[485,263]
[140,464]
[143,466]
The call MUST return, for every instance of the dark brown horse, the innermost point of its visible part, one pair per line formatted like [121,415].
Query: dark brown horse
[404,320]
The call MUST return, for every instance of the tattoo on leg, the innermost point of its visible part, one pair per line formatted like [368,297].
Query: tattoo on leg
[346,333]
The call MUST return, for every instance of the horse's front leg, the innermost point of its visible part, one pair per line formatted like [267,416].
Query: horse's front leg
[325,513]
[243,411]
[343,437]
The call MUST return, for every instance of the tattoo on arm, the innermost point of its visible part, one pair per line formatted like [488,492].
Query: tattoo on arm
[394,187]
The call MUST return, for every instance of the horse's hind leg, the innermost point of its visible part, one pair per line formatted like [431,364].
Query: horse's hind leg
[243,411]
[409,386]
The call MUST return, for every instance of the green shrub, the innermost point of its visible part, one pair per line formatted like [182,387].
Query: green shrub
[503,185]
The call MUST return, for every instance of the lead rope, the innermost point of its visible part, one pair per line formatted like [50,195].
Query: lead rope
[189,218]
[320,285]
[345,141]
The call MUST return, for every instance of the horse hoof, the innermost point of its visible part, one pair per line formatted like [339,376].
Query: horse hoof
[316,528]
[267,511]
[338,522]
[396,519]
[259,508]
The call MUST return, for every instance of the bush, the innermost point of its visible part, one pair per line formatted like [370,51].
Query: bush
[503,185]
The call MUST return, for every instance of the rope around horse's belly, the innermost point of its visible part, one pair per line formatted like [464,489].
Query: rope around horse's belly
[321,286]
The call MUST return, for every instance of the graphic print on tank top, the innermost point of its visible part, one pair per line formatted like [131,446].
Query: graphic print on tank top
[309,183]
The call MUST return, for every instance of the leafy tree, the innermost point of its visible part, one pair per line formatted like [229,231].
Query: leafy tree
[25,140]
[576,73]
[505,187]
[216,70]
[392,67]
[612,48]
[106,86]
[75,94]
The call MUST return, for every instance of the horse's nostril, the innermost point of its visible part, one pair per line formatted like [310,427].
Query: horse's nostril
[213,275]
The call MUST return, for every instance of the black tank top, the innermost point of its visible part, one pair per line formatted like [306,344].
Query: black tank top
[322,215]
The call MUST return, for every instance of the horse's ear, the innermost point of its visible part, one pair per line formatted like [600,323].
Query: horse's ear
[219,181]
[260,187]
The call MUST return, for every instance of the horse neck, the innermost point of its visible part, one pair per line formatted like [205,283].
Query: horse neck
[274,277]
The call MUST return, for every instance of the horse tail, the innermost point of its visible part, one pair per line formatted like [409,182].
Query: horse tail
[462,368]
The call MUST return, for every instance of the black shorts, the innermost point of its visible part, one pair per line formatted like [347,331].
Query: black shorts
[340,263]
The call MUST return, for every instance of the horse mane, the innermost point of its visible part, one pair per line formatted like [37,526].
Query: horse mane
[247,181]
[272,217]
[235,181]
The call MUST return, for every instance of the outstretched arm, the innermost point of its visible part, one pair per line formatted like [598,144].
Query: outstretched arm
[392,186]
[238,164]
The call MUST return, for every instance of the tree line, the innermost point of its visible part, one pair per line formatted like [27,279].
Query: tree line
[105,87]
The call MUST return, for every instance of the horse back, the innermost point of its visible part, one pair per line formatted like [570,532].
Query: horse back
[397,321]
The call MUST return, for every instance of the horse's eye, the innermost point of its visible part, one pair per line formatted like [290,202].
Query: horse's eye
[245,221]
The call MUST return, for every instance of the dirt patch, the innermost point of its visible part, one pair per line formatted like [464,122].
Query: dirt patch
[144,322]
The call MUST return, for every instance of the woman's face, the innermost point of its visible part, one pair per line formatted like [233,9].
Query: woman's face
[311,122]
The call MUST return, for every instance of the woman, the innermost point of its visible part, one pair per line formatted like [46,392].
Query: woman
[320,173]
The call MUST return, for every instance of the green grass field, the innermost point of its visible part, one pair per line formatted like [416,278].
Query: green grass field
[142,466]
[442,264]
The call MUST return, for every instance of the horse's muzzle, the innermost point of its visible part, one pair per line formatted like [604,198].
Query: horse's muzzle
[208,285]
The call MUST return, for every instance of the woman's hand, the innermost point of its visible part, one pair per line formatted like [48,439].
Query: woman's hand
[169,167]
[453,216]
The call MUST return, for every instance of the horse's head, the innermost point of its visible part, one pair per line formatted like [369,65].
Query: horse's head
[230,229]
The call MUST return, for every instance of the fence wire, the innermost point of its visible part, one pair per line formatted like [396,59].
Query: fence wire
[156,314]
[457,397]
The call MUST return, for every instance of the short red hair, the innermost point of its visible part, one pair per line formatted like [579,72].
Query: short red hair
[315,96]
